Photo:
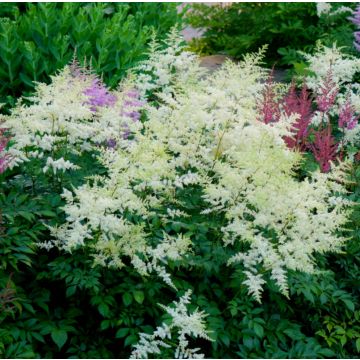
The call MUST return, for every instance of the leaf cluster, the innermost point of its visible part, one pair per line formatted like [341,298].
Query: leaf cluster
[284,27]
[38,39]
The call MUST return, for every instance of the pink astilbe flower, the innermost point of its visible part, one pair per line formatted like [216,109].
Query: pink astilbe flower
[132,104]
[357,40]
[99,95]
[3,158]
[355,19]
[327,94]
[324,148]
[269,108]
[347,118]
[301,105]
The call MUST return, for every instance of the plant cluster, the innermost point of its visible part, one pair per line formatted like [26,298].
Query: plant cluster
[174,217]
[112,37]
[286,27]
[327,123]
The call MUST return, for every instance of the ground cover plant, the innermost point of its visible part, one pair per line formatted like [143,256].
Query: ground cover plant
[238,28]
[38,39]
[183,214]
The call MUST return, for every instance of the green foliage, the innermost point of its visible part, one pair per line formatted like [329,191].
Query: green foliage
[58,305]
[285,27]
[68,308]
[38,39]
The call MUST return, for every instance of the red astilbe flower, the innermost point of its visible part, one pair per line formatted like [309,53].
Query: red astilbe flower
[3,158]
[347,118]
[327,94]
[324,148]
[268,107]
[301,105]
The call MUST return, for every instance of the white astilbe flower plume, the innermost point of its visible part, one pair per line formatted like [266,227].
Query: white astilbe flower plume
[203,135]
[343,66]
[166,68]
[62,117]
[183,323]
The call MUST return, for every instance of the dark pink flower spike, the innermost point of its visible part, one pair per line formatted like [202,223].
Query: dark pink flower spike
[3,143]
[269,108]
[347,118]
[324,148]
[301,105]
[327,94]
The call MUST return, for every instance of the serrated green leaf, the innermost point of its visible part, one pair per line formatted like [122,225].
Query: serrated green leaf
[105,324]
[127,299]
[139,296]
[131,340]
[357,343]
[343,340]
[259,330]
[248,341]
[70,290]
[59,337]
[233,311]
[104,309]
[122,332]
[350,305]
[294,334]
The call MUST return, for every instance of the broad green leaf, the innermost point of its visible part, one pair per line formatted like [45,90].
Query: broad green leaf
[122,332]
[358,345]
[259,330]
[139,296]
[127,299]
[59,337]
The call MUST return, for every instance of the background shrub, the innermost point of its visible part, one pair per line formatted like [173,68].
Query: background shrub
[285,27]
[38,39]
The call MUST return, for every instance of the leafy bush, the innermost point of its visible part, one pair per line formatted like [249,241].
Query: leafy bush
[38,39]
[172,191]
[285,27]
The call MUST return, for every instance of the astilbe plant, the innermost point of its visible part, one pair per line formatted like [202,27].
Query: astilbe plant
[206,134]
[4,160]
[184,323]
[75,113]
[355,19]
[324,148]
[347,117]
[8,297]
[201,135]
[334,98]
[327,93]
[3,157]
[331,78]
[99,95]
[269,109]
[302,106]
